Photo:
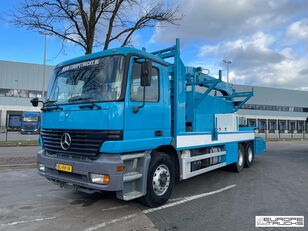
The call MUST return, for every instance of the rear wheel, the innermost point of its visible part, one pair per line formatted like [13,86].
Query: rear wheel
[161,178]
[238,166]
[249,155]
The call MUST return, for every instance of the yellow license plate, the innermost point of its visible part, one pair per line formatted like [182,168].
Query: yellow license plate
[64,167]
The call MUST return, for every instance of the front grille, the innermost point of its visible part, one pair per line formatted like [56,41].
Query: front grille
[83,142]
[29,127]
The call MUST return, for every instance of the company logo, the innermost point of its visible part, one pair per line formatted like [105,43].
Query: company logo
[279,221]
[66,141]
[80,65]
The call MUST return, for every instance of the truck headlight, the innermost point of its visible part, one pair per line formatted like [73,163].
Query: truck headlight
[41,167]
[99,179]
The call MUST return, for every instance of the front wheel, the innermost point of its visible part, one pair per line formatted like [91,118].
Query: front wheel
[160,181]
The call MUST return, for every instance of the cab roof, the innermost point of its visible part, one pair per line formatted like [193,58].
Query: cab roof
[115,51]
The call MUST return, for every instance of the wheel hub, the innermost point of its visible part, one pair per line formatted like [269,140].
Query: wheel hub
[161,180]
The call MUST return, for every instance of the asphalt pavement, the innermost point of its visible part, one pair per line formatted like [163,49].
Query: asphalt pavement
[16,136]
[18,156]
[277,184]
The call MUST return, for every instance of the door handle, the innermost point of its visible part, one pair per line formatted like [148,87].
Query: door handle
[158,133]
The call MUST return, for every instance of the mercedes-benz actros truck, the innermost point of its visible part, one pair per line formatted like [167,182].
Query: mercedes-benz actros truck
[134,122]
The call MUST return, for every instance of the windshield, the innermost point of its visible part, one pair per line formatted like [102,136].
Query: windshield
[95,80]
[30,119]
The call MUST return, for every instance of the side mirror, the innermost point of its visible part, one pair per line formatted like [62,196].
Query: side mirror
[146,73]
[34,102]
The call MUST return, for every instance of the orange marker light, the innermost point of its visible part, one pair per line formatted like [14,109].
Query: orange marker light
[106,179]
[120,168]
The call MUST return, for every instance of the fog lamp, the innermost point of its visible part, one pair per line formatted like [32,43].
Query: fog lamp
[42,167]
[99,179]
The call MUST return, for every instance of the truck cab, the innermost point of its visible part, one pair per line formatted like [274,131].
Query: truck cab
[121,120]
[30,123]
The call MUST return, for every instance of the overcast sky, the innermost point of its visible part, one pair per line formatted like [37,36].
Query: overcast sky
[266,40]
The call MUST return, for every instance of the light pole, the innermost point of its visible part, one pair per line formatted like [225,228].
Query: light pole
[227,62]
[44,68]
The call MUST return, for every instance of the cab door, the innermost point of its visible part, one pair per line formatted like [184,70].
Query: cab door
[144,123]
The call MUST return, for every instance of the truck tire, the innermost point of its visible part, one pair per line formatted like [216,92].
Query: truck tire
[238,166]
[249,155]
[160,181]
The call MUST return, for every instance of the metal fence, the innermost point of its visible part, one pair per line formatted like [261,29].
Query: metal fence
[6,135]
[267,136]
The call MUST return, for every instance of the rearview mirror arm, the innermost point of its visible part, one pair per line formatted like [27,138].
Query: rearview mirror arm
[136,109]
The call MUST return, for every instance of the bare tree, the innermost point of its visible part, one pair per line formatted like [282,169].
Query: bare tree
[93,23]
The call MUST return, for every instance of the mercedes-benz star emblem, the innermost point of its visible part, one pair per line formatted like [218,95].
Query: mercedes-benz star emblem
[66,141]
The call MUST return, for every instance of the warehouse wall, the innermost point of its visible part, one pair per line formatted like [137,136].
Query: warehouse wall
[275,110]
[19,82]
[17,75]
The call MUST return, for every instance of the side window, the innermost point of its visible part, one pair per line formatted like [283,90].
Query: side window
[136,91]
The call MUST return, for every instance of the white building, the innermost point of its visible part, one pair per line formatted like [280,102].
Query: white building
[19,83]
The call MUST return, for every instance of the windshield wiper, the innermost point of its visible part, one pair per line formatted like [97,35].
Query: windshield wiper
[55,107]
[76,98]
[90,106]
[51,103]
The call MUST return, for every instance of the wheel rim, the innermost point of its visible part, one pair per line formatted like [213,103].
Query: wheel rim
[161,180]
[240,158]
[250,155]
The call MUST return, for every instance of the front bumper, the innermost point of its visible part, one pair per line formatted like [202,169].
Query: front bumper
[80,176]
[29,132]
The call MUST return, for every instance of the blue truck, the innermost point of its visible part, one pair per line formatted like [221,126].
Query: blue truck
[30,123]
[134,122]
